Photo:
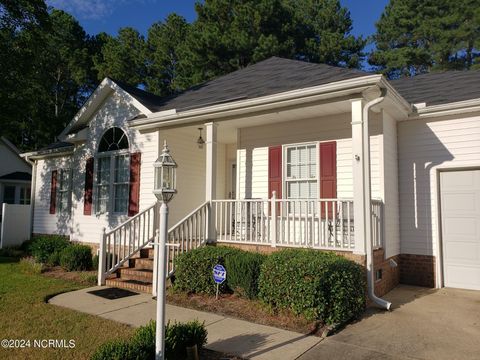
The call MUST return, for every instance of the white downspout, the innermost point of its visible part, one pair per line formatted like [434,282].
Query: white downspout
[368,205]
[33,185]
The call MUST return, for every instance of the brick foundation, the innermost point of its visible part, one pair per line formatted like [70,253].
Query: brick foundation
[417,270]
[390,273]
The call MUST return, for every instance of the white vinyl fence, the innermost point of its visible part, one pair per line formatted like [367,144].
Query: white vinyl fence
[15,225]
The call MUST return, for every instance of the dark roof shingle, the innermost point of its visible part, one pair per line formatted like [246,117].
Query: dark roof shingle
[17,175]
[440,87]
[268,77]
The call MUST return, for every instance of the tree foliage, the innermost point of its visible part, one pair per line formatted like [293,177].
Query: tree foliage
[49,65]
[415,37]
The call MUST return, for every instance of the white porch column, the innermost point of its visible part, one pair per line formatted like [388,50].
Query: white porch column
[358,176]
[211,176]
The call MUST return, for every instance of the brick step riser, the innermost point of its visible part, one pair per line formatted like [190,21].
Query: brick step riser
[135,287]
[137,278]
[141,263]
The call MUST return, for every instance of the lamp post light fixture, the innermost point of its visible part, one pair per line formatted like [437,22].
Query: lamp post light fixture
[165,179]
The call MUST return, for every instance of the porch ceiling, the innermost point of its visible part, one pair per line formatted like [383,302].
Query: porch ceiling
[227,128]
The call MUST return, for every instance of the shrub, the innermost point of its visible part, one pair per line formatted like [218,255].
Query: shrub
[43,246]
[193,269]
[76,258]
[243,271]
[30,266]
[95,262]
[179,336]
[54,259]
[113,350]
[142,345]
[317,285]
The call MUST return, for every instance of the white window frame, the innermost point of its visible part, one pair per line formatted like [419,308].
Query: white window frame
[286,180]
[61,190]
[111,183]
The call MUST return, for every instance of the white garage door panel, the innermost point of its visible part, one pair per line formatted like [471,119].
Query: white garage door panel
[460,209]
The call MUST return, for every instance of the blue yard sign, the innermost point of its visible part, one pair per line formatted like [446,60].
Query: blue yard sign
[219,274]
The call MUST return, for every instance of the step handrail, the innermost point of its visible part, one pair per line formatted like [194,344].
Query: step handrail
[121,243]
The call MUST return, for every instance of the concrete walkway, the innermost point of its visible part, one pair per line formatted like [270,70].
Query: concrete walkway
[424,324]
[228,335]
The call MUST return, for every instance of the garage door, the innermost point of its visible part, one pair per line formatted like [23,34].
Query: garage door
[460,209]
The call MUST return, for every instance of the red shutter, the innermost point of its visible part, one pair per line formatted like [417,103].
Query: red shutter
[328,173]
[134,197]
[53,192]
[275,171]
[87,197]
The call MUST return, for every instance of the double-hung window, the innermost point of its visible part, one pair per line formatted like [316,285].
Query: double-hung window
[64,191]
[112,173]
[301,179]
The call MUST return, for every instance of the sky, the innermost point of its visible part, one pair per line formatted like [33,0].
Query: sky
[109,15]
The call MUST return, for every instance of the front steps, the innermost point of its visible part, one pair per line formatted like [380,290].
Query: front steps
[137,276]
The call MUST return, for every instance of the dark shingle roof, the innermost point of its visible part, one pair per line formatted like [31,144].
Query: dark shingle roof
[271,76]
[57,145]
[149,100]
[17,175]
[440,87]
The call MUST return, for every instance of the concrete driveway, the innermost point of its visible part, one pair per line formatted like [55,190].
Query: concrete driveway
[424,324]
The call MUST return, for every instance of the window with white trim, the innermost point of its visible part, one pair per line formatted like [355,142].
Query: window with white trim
[301,171]
[64,191]
[112,177]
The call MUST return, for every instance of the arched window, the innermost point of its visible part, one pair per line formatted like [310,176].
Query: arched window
[113,139]
[112,172]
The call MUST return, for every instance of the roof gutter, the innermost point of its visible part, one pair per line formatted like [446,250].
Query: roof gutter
[238,108]
[368,203]
[455,108]
[43,154]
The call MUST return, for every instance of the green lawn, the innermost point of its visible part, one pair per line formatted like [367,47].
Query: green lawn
[25,315]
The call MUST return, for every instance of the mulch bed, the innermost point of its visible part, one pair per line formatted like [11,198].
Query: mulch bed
[250,310]
[81,277]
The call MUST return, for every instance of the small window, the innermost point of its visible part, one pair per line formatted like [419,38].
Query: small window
[9,194]
[64,191]
[25,193]
[301,173]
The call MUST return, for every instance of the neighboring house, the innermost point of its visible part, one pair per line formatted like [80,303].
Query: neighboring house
[294,128]
[15,180]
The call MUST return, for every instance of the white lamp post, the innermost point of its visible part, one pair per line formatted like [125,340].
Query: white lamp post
[165,179]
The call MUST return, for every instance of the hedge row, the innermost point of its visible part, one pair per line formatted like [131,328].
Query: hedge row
[318,285]
[178,337]
[56,250]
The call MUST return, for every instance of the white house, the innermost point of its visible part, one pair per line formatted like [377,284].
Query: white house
[291,154]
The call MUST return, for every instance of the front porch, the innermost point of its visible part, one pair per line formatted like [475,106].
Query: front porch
[234,191]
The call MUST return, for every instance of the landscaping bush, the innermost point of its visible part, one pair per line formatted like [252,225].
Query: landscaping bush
[54,259]
[43,246]
[142,345]
[318,285]
[194,269]
[28,265]
[243,271]
[76,258]
[114,350]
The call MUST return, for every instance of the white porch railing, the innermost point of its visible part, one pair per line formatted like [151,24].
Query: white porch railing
[124,241]
[188,234]
[326,224]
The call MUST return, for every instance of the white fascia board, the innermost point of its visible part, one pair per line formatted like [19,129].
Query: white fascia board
[288,98]
[106,87]
[455,108]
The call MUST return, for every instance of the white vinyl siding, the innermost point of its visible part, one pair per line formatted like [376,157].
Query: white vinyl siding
[254,142]
[424,147]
